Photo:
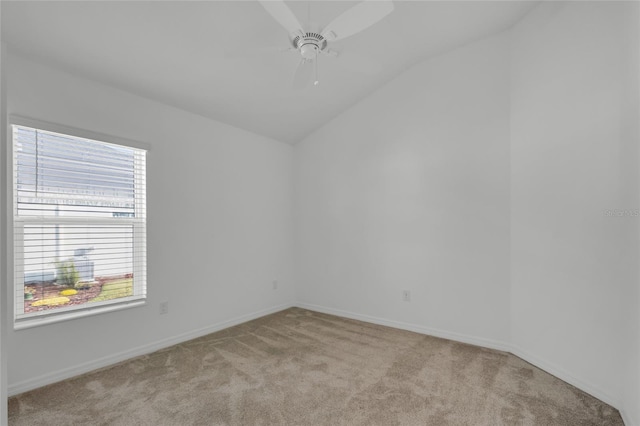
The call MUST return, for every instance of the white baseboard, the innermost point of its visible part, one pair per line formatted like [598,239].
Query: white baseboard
[549,367]
[458,337]
[627,420]
[565,376]
[66,373]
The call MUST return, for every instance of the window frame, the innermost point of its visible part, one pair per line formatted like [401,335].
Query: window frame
[139,245]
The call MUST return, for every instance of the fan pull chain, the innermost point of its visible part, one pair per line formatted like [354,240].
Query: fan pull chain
[316,82]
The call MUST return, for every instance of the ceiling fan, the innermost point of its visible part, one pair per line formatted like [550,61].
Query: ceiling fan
[310,43]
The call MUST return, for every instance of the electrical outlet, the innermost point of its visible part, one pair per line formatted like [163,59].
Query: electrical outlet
[274,283]
[164,308]
[406,296]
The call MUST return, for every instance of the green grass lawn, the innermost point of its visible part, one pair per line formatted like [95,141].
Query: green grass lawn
[115,289]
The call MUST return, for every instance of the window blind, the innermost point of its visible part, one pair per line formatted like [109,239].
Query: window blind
[79,223]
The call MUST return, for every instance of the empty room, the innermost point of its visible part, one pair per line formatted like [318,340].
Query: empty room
[320,213]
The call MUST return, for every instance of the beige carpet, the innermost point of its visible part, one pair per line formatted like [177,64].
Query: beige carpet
[298,367]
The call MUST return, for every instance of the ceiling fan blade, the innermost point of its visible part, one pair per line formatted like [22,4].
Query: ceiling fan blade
[283,15]
[303,75]
[358,18]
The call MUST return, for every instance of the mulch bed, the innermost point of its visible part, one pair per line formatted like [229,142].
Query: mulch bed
[49,289]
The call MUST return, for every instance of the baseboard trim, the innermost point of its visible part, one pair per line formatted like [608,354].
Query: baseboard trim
[565,376]
[66,373]
[458,337]
[549,367]
[562,374]
[627,420]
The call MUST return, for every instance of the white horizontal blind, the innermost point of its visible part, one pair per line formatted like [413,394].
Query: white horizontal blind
[79,223]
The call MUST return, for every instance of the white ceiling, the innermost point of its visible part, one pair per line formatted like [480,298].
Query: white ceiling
[197,55]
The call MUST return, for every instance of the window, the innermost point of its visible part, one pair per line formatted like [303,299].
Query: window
[79,225]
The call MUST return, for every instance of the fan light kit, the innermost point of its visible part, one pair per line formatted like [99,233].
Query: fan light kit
[309,43]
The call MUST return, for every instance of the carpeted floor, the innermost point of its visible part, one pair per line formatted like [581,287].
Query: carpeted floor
[298,367]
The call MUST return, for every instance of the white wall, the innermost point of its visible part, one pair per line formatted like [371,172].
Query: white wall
[480,181]
[573,157]
[409,190]
[3,237]
[630,140]
[219,224]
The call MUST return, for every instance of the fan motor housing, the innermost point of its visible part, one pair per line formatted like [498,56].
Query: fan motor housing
[310,44]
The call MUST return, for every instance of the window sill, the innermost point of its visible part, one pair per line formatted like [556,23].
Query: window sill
[31,322]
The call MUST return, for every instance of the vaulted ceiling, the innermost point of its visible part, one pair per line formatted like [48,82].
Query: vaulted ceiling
[213,58]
